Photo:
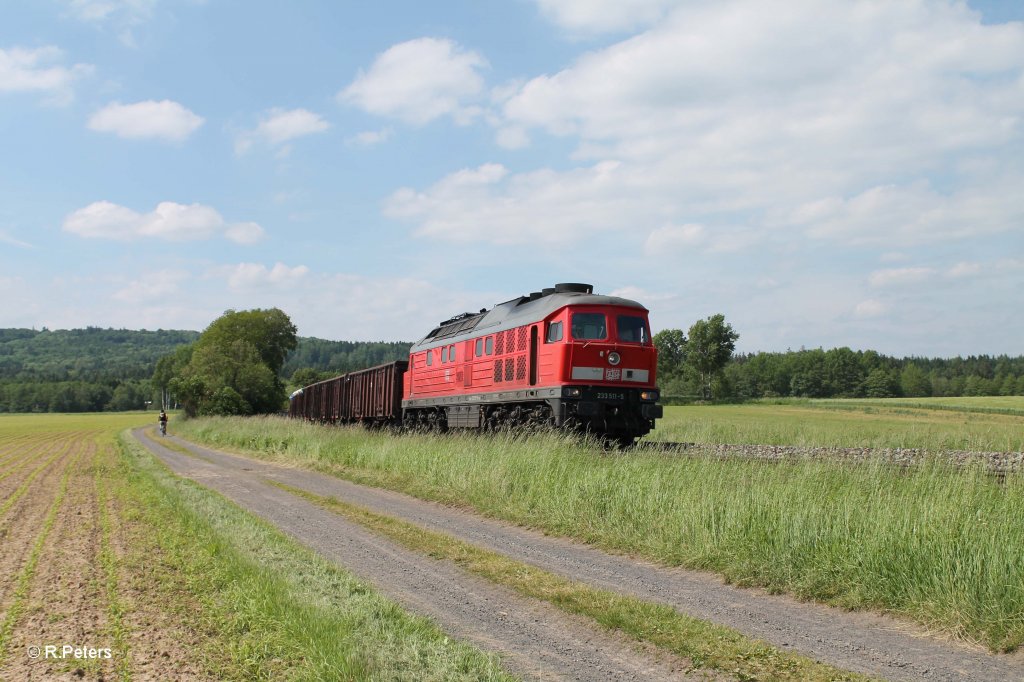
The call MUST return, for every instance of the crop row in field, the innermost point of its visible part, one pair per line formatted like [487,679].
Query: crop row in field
[938,544]
[102,547]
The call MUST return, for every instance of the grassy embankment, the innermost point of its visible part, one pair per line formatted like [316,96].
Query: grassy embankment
[232,597]
[940,546]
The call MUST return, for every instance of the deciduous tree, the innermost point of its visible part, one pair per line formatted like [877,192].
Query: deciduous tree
[710,346]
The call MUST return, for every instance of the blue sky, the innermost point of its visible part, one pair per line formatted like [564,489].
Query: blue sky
[824,173]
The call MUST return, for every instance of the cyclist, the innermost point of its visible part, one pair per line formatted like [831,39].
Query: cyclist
[163,423]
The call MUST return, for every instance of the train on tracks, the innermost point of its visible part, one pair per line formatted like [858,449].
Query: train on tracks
[563,357]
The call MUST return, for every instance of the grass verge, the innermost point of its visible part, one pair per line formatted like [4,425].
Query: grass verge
[267,607]
[707,646]
[938,545]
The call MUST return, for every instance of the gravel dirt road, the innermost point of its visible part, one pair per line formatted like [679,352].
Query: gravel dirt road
[538,639]
[535,639]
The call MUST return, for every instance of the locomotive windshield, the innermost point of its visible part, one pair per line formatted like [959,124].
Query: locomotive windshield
[632,329]
[589,326]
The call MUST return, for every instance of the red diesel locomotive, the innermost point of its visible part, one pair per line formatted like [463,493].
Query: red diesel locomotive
[562,356]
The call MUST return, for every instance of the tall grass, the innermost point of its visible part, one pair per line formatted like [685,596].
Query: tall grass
[942,546]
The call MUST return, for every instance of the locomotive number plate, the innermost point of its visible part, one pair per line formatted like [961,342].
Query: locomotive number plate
[608,396]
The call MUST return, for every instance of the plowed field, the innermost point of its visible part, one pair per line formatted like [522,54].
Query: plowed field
[71,601]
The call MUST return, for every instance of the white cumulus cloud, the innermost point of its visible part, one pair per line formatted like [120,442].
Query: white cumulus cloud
[169,221]
[248,276]
[124,16]
[420,80]
[35,70]
[601,16]
[786,118]
[543,207]
[279,126]
[166,120]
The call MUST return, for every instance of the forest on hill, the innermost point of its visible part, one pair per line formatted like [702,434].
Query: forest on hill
[95,370]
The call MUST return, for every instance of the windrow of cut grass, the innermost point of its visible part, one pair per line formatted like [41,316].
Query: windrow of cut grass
[940,545]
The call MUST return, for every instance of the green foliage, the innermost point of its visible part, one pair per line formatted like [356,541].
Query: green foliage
[270,332]
[711,344]
[81,370]
[325,359]
[226,401]
[232,368]
[914,382]
[671,345]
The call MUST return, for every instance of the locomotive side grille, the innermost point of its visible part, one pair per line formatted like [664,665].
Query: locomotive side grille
[499,343]
[508,369]
[521,368]
[510,340]
[522,339]
[497,370]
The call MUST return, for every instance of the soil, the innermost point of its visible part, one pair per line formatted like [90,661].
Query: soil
[67,602]
[869,643]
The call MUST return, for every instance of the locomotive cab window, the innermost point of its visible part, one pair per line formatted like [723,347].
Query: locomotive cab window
[490,345]
[589,326]
[554,331]
[479,347]
[430,358]
[633,329]
[451,353]
[444,354]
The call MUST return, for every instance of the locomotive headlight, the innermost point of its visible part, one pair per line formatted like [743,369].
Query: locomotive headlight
[572,392]
[648,395]
[614,358]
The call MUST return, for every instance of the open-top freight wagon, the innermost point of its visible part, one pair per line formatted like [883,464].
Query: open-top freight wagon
[563,356]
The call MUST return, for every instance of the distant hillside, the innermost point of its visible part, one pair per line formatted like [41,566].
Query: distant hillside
[91,354]
[81,370]
[93,369]
[338,357]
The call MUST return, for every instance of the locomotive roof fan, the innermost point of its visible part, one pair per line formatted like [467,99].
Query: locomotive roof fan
[573,288]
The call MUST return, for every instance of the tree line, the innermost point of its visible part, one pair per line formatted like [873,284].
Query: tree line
[702,364]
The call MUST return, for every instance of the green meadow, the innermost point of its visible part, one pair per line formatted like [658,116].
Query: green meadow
[933,424]
[938,545]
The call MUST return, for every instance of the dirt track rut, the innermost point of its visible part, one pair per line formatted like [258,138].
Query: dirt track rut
[536,640]
[867,643]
